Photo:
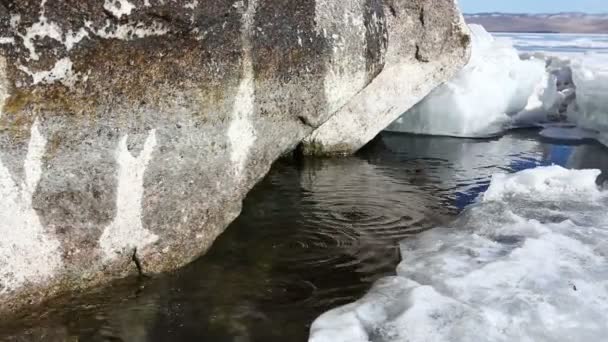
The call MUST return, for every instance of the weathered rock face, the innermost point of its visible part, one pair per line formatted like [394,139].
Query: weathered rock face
[130,130]
[428,44]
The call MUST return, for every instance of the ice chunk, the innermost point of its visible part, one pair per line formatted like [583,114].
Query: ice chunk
[553,98]
[495,84]
[528,263]
[590,74]
[547,182]
[573,90]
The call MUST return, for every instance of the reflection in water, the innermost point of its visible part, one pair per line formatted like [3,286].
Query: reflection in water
[462,168]
[313,235]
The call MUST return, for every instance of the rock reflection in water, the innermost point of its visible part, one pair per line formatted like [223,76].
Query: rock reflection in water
[313,235]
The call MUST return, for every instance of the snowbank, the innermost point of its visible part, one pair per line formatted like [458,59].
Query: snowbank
[495,84]
[528,263]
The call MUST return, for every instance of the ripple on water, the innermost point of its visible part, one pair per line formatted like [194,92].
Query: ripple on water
[351,216]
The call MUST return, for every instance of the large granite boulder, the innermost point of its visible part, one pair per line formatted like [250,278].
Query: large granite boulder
[131,130]
[428,43]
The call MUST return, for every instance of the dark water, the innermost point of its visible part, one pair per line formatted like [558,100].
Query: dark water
[313,235]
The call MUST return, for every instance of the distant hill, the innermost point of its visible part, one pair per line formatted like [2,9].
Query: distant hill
[570,22]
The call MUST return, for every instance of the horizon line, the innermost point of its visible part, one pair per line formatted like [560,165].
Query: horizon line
[538,13]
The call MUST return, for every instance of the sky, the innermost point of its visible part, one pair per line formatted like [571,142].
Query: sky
[534,6]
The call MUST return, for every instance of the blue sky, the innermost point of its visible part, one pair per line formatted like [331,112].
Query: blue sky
[534,6]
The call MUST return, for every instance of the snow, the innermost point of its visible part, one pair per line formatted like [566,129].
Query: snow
[495,84]
[527,263]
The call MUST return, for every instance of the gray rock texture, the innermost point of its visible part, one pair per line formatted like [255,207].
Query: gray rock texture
[428,42]
[131,130]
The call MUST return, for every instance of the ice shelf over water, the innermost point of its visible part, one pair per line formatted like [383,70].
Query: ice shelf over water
[529,262]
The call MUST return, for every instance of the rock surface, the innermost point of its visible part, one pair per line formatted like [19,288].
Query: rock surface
[131,130]
[428,43]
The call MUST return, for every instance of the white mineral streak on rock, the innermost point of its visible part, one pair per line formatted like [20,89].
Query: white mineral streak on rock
[27,252]
[241,132]
[191,5]
[126,232]
[15,20]
[39,30]
[342,24]
[61,71]
[73,38]
[45,29]
[118,8]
